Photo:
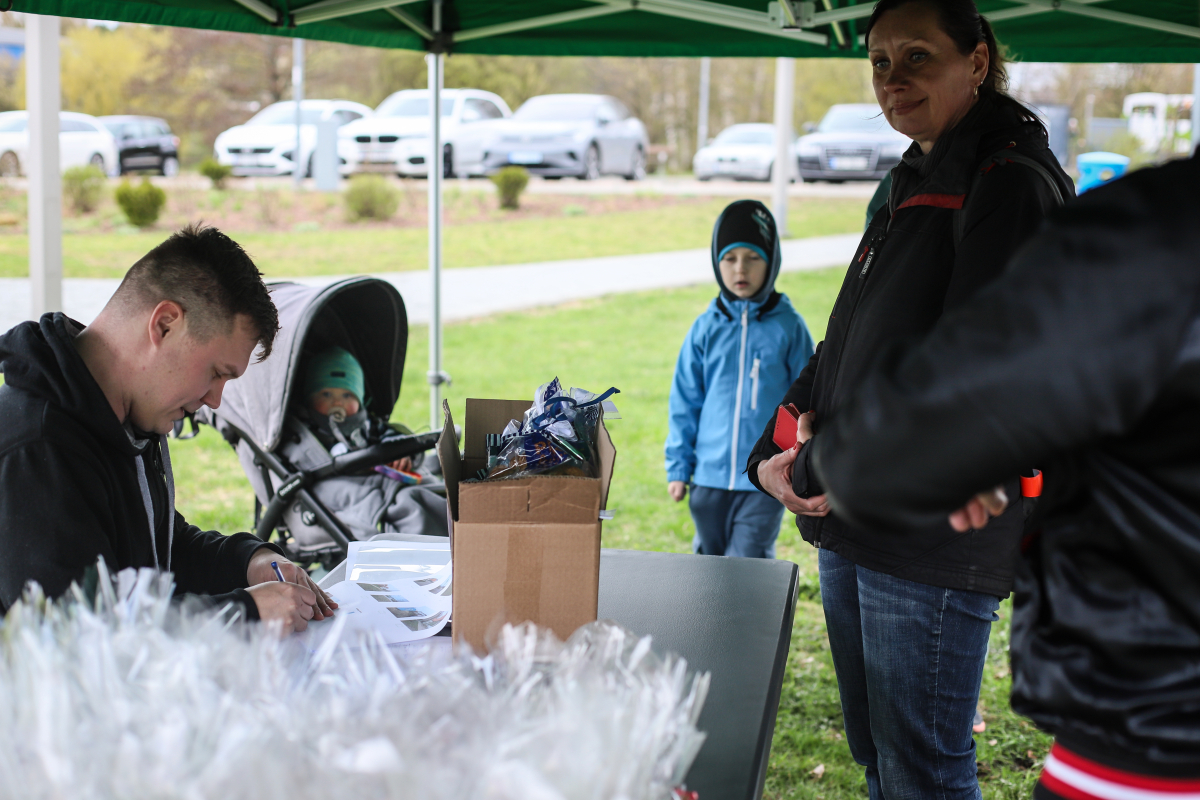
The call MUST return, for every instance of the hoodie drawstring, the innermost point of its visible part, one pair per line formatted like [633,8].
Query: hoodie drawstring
[144,485]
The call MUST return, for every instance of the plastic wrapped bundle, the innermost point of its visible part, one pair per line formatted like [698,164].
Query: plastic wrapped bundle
[556,437]
[131,696]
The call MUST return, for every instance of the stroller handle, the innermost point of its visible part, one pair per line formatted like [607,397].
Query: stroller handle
[382,453]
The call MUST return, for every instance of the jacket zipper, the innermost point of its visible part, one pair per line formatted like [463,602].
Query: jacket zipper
[754,384]
[737,407]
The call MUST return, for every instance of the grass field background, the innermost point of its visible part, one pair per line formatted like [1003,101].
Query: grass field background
[631,342]
[297,245]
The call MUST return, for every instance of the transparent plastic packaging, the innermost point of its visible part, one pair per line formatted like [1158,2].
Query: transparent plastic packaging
[133,696]
[556,437]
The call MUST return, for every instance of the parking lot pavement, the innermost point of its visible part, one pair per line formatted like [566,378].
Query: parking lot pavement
[472,292]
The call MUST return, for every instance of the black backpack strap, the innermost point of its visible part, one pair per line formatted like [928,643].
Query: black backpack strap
[1007,155]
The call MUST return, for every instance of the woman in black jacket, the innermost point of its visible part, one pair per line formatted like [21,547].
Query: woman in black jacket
[909,613]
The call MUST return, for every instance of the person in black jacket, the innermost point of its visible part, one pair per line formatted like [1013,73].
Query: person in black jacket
[1083,359]
[909,616]
[84,466]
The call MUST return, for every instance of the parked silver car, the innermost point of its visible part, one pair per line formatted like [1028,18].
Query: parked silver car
[745,151]
[584,135]
[852,142]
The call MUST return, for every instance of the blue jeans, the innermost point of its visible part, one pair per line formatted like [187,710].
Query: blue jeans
[909,659]
[732,523]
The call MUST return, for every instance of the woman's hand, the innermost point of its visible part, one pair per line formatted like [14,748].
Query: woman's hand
[979,509]
[677,490]
[775,477]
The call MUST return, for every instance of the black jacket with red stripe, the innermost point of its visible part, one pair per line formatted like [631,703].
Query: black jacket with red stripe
[915,262]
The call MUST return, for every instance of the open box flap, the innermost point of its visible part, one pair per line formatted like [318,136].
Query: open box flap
[447,450]
[608,457]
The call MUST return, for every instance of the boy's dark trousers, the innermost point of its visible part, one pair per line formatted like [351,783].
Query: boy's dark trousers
[733,523]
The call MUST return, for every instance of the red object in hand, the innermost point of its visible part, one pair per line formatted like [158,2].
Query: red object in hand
[787,427]
[1032,487]
[680,793]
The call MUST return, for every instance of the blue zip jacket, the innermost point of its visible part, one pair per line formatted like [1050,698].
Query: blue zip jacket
[737,362]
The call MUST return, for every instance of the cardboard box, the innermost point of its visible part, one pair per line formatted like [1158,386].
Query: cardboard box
[524,548]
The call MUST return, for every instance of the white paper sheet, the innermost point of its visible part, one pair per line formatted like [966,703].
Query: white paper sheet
[401,590]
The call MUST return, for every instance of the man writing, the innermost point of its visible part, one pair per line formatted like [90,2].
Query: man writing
[84,465]
[1098,321]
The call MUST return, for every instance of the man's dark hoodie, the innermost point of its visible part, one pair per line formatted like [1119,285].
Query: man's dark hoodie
[76,484]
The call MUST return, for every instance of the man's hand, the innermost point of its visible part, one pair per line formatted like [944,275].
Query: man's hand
[260,572]
[775,477]
[292,605]
[677,490]
[979,509]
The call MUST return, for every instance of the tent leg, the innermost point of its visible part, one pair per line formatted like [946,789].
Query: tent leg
[299,165]
[781,176]
[43,99]
[436,63]
[702,112]
[1195,107]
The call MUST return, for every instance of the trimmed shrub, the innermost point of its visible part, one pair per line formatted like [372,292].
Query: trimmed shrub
[84,186]
[371,197]
[215,171]
[142,204]
[510,182]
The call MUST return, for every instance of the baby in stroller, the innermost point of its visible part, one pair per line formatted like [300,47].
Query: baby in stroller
[330,419]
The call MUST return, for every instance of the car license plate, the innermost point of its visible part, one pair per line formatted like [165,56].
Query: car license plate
[858,163]
[524,157]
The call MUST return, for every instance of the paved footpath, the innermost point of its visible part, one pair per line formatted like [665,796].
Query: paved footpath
[472,292]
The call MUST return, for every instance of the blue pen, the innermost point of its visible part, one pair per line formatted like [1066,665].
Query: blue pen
[278,574]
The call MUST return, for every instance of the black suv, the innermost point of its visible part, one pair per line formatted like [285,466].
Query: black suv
[144,143]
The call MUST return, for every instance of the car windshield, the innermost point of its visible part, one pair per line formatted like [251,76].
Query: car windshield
[14,124]
[552,110]
[285,114]
[745,136]
[411,106]
[853,119]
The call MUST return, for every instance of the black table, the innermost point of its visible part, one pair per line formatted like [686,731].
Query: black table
[731,617]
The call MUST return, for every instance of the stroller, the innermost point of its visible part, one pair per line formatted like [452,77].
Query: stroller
[366,317]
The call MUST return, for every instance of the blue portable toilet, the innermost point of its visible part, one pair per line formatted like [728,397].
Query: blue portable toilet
[1099,168]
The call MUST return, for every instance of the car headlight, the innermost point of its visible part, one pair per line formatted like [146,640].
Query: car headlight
[808,150]
[894,149]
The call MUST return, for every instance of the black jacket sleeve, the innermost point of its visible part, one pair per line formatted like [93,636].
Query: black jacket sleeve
[210,563]
[1069,346]
[799,393]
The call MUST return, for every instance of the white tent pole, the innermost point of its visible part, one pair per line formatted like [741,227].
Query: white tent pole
[1195,107]
[44,100]
[298,168]
[781,175]
[435,63]
[702,112]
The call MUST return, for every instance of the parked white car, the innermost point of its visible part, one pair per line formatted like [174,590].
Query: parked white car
[744,152]
[82,139]
[396,138]
[266,143]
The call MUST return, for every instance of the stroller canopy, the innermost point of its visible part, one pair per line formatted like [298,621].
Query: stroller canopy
[364,315]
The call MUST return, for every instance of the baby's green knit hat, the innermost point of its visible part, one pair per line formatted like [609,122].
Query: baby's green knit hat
[334,368]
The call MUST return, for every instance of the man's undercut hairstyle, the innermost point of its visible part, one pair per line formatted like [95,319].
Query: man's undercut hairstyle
[212,279]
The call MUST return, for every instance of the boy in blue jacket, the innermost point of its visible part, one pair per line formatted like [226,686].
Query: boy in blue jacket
[738,360]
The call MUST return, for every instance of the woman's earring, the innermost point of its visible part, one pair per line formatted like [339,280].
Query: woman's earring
[977,90]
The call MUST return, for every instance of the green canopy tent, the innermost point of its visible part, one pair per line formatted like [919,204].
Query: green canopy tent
[1033,30]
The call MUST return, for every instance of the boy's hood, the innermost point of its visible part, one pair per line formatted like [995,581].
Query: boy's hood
[740,209]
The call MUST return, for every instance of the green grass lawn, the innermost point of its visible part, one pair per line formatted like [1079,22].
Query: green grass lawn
[379,248]
[631,341]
